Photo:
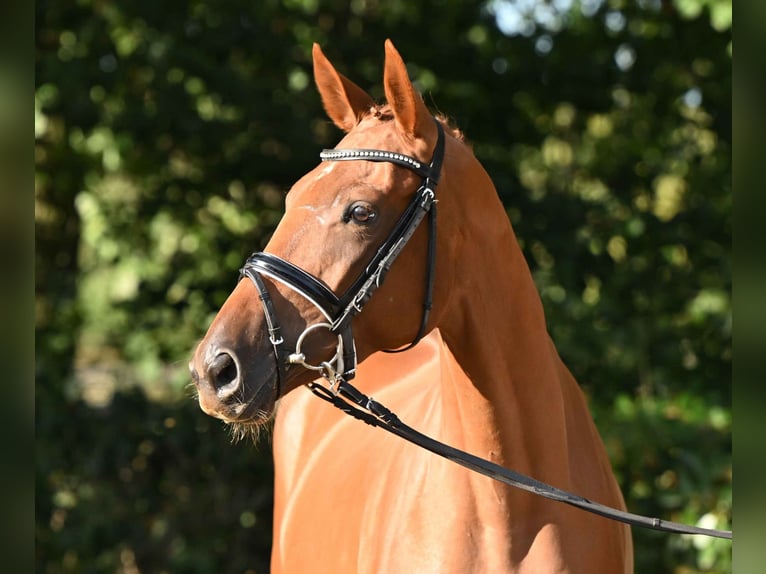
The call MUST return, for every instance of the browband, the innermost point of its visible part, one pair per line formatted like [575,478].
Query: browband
[380,156]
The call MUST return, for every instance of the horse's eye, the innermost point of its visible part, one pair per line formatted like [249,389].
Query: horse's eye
[360,213]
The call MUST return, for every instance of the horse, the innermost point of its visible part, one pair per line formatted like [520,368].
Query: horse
[478,370]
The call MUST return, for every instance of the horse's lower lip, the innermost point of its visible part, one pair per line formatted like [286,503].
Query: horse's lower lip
[257,418]
[253,409]
[252,413]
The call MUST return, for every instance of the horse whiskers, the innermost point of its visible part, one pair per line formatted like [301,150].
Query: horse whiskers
[241,431]
[253,431]
[254,427]
[191,390]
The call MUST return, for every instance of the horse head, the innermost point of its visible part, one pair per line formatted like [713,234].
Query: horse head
[337,217]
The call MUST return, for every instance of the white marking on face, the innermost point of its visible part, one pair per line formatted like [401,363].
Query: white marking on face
[315,211]
[327,169]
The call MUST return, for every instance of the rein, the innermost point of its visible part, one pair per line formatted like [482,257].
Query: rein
[351,401]
[339,312]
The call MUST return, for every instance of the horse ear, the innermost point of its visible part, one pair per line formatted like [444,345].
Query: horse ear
[344,101]
[412,115]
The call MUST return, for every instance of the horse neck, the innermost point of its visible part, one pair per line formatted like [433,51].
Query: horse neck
[511,387]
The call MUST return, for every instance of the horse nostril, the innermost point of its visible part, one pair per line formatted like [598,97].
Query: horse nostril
[223,372]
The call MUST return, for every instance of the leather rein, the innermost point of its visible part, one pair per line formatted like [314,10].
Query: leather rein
[339,312]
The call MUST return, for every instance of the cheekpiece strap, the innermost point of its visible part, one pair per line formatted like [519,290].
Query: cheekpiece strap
[275,336]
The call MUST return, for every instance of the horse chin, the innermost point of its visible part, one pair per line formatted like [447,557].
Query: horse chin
[251,429]
[255,412]
[251,423]
[251,410]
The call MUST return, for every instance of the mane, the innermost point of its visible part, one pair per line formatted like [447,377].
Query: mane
[384,113]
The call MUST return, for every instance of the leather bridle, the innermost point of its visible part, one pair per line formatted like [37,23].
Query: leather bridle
[339,312]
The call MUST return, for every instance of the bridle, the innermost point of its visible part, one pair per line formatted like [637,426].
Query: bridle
[339,312]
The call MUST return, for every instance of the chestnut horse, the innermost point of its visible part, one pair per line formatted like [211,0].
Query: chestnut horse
[486,378]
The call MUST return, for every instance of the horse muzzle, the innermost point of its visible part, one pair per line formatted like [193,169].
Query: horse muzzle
[223,390]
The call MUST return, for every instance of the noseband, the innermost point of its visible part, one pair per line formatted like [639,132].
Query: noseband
[339,311]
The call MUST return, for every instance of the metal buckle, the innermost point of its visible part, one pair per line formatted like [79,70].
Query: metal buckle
[274,341]
[428,198]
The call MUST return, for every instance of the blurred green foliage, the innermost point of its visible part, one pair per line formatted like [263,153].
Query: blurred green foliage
[166,136]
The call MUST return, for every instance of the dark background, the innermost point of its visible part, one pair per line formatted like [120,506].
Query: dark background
[166,136]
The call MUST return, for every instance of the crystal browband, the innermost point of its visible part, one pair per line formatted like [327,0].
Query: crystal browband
[375,155]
